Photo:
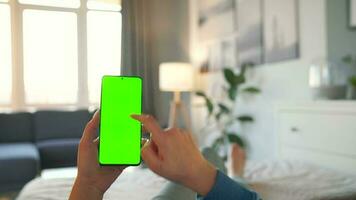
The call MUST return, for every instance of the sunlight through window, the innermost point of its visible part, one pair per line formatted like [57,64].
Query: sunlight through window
[113,5]
[104,49]
[50,57]
[54,3]
[46,34]
[5,54]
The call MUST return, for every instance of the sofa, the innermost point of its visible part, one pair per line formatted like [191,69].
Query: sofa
[30,142]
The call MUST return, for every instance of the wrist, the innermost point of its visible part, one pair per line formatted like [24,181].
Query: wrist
[202,178]
[86,187]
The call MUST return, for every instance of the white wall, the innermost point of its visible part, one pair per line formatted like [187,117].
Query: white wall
[287,81]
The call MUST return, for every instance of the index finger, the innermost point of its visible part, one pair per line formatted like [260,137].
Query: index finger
[150,124]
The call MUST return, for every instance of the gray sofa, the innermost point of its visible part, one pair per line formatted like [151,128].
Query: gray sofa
[30,142]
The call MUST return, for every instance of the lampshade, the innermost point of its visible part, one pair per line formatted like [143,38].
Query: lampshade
[176,77]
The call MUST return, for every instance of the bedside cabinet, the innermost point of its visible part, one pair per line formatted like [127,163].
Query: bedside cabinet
[320,132]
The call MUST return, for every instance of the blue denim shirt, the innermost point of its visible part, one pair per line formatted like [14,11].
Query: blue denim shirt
[227,189]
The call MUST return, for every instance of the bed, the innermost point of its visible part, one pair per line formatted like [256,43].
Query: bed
[273,180]
[316,161]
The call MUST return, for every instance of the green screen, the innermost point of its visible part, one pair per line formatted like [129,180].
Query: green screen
[120,135]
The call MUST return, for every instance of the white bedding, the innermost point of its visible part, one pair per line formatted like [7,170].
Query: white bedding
[273,180]
[132,184]
[277,180]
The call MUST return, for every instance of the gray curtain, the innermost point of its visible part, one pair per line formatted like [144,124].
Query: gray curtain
[135,48]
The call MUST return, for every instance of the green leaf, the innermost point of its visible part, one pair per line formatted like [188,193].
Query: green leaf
[347,59]
[209,105]
[352,81]
[244,67]
[232,93]
[218,142]
[232,79]
[234,138]
[252,90]
[229,76]
[223,108]
[218,116]
[239,79]
[200,93]
[245,118]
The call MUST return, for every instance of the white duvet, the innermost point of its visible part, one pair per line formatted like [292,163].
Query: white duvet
[273,180]
[277,180]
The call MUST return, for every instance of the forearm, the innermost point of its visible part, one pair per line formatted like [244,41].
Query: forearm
[82,190]
[227,189]
[202,179]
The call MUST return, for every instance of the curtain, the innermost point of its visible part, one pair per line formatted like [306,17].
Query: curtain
[135,48]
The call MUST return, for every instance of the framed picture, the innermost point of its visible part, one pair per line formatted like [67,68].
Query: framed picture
[353,13]
[281,30]
[216,19]
[234,32]
[250,31]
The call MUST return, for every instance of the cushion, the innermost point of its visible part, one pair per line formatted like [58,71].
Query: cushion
[60,124]
[19,163]
[58,152]
[16,127]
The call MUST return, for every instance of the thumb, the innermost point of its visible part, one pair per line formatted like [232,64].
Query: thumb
[90,131]
[150,156]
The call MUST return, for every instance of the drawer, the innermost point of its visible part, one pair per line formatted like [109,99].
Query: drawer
[331,133]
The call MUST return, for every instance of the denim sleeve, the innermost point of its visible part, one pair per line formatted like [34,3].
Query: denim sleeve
[226,189]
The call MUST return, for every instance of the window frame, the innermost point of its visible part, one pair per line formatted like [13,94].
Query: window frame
[7,105]
[18,101]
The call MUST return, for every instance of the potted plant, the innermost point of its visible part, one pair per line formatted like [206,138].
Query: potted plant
[351,90]
[222,113]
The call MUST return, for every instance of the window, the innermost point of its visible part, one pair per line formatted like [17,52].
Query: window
[104,44]
[55,3]
[63,47]
[110,5]
[50,57]
[5,55]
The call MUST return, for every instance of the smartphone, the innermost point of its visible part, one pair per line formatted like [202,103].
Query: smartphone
[119,134]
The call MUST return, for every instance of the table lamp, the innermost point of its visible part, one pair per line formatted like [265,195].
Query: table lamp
[177,77]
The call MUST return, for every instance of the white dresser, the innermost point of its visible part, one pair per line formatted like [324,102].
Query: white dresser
[320,132]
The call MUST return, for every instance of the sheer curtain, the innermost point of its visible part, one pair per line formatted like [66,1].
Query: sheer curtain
[135,48]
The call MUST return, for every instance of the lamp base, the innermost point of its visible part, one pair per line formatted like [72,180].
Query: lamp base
[178,108]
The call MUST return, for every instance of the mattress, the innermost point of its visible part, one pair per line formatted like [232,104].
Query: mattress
[273,180]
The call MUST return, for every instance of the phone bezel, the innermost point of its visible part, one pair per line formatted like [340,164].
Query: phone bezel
[101,96]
